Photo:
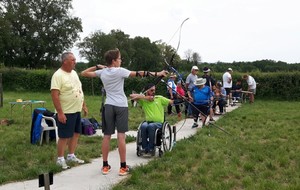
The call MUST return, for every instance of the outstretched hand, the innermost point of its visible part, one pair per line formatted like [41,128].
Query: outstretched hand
[163,73]
[134,96]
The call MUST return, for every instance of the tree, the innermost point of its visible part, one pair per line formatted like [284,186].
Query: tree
[94,46]
[188,55]
[196,59]
[35,32]
[146,55]
[137,54]
[168,53]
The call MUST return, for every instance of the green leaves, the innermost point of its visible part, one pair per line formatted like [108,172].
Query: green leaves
[34,33]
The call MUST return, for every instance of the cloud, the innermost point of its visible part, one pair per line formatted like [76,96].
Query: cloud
[231,30]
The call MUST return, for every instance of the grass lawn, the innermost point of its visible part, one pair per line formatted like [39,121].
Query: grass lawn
[20,160]
[263,153]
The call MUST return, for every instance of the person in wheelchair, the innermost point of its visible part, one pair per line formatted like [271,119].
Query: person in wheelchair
[153,106]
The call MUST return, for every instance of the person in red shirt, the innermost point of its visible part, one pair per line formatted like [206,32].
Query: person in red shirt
[181,96]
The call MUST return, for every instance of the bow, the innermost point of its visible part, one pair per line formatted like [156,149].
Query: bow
[169,67]
[173,55]
[172,69]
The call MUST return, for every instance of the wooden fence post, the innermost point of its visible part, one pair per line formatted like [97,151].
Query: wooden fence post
[1,91]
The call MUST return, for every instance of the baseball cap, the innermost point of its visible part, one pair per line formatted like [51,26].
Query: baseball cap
[195,67]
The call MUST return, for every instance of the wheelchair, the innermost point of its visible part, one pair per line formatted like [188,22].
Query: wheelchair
[164,139]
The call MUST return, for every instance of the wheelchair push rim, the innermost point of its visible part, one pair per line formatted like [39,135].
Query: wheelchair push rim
[167,137]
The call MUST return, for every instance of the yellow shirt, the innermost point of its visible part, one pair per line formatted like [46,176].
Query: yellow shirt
[71,95]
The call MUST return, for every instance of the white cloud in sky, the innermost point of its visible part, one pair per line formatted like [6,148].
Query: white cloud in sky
[219,30]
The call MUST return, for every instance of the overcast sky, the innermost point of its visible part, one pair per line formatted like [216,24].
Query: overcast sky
[219,30]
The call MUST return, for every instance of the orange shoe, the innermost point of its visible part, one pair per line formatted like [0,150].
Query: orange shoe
[124,171]
[106,170]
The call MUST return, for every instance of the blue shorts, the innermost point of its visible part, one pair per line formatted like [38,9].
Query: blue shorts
[73,125]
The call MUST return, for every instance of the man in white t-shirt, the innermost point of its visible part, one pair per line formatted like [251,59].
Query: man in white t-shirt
[189,82]
[251,87]
[227,84]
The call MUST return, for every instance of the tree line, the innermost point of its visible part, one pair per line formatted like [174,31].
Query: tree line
[33,34]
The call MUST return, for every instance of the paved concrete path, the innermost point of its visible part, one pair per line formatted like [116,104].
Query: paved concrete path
[89,177]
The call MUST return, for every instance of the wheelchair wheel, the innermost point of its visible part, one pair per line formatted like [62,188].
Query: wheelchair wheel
[139,142]
[167,137]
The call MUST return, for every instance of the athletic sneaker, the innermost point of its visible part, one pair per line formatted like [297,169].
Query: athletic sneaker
[63,164]
[194,125]
[75,159]
[124,171]
[105,169]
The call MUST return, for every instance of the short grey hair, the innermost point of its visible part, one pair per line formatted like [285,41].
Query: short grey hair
[65,56]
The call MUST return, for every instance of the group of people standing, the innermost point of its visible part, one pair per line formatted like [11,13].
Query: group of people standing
[205,93]
[68,100]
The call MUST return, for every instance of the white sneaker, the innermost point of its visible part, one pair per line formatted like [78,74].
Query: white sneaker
[75,159]
[63,164]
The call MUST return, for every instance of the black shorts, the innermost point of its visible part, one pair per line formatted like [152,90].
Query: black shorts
[73,125]
[228,91]
[203,109]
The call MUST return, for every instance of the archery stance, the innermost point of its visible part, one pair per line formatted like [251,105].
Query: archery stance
[153,106]
[115,111]
[200,96]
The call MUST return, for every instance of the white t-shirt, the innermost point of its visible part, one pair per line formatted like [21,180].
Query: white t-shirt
[113,81]
[251,82]
[190,79]
[227,80]
[70,90]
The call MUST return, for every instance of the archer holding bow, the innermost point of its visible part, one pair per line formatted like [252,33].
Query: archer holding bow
[115,111]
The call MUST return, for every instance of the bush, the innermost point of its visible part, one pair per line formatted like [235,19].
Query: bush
[277,85]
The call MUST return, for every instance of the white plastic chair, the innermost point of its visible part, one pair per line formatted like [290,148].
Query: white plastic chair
[46,128]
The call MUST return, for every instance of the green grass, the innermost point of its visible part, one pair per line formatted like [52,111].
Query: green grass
[20,160]
[262,153]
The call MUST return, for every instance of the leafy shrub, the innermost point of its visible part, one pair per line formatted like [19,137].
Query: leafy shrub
[276,85]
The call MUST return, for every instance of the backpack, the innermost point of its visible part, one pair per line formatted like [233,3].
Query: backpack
[87,127]
[95,123]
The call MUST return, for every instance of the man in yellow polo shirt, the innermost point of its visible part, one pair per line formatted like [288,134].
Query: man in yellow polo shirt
[68,100]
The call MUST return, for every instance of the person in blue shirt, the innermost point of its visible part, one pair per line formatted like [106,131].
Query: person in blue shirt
[171,94]
[200,96]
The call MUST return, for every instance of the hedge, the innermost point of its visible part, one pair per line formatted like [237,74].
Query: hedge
[278,85]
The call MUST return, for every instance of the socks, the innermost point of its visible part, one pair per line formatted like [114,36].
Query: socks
[123,164]
[71,155]
[105,163]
